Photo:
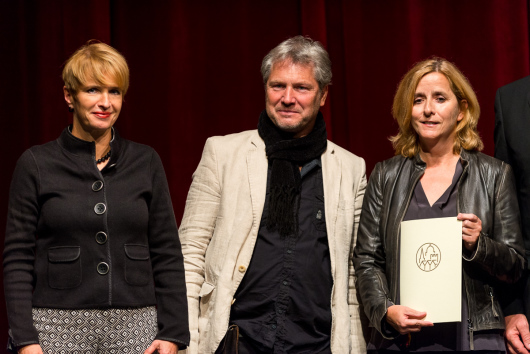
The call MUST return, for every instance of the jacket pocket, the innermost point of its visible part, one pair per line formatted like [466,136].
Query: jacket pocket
[64,267]
[206,289]
[137,265]
[205,305]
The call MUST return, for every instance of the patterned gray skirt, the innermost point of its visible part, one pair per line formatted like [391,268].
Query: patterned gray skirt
[95,331]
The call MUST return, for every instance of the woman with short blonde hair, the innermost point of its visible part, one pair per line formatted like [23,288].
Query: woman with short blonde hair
[92,258]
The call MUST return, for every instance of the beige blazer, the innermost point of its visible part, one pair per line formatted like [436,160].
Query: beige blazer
[220,226]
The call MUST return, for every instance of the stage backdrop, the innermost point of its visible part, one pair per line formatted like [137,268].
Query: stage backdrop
[195,68]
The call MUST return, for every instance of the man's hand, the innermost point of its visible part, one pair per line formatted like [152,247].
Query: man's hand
[406,320]
[163,347]
[517,335]
[30,349]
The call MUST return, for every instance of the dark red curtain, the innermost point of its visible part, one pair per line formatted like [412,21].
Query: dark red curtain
[195,67]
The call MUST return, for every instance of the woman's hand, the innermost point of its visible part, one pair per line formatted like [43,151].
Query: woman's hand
[471,228]
[406,320]
[163,347]
[30,349]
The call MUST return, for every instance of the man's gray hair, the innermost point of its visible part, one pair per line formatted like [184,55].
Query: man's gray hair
[300,50]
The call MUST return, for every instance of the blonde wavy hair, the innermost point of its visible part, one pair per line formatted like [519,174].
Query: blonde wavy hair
[98,62]
[406,141]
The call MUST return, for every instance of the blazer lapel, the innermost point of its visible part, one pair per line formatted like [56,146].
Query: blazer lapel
[332,177]
[257,165]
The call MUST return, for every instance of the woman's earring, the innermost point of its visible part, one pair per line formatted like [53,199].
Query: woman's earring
[70,109]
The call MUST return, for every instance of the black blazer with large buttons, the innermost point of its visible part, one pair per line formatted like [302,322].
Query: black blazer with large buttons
[79,238]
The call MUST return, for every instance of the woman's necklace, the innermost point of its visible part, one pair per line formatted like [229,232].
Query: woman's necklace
[104,158]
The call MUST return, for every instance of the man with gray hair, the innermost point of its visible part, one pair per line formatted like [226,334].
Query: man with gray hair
[270,223]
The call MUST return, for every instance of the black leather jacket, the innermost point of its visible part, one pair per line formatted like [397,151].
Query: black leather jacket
[486,189]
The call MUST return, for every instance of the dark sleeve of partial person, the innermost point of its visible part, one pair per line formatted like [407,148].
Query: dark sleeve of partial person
[167,262]
[501,148]
[511,295]
[19,250]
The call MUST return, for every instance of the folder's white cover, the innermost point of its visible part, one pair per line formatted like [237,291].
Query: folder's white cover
[431,268]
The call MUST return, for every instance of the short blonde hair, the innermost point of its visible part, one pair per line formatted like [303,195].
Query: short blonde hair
[98,62]
[406,141]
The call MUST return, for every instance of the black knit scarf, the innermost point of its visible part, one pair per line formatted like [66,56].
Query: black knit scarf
[285,155]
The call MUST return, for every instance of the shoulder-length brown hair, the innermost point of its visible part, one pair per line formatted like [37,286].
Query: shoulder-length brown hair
[406,141]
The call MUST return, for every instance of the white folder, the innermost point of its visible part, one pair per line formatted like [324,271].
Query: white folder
[431,268]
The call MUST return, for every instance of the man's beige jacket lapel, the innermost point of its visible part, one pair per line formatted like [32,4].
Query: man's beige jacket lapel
[257,165]
[331,176]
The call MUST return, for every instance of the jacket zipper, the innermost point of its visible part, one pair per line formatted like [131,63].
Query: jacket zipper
[492,303]
[470,329]
[381,282]
[396,255]
[469,320]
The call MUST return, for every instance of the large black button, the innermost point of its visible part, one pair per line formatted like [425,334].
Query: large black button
[97,186]
[101,237]
[103,268]
[100,208]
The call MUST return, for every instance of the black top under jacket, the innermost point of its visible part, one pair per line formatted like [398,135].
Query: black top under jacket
[81,238]
[283,304]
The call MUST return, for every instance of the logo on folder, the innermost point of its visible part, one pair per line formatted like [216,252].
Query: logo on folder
[428,257]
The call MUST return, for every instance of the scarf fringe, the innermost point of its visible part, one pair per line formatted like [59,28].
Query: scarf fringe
[283,210]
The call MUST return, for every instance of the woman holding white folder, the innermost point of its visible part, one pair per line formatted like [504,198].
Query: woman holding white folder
[437,172]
